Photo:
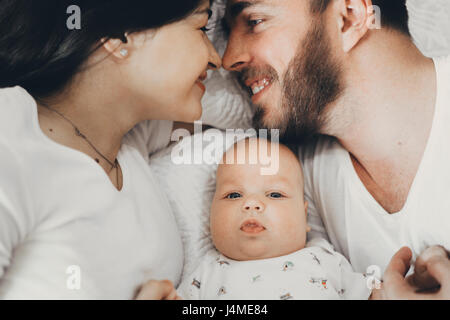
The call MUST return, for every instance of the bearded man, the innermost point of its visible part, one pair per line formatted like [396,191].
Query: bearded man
[372,113]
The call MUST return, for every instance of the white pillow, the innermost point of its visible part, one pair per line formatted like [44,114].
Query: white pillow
[226,105]
[429,24]
[190,189]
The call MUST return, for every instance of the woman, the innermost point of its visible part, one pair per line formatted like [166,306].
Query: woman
[81,215]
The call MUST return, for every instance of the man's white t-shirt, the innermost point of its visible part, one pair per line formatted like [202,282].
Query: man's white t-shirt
[341,207]
[65,231]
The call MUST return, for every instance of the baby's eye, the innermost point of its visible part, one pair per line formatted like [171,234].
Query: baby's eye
[233,195]
[275,195]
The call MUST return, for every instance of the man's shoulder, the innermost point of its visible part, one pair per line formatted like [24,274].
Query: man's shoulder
[442,65]
[443,61]
[322,150]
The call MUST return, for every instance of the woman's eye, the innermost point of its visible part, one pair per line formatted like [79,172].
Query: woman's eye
[275,195]
[205,29]
[233,195]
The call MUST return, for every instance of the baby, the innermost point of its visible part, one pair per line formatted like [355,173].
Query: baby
[258,226]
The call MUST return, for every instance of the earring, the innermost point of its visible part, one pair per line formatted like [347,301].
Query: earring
[124,52]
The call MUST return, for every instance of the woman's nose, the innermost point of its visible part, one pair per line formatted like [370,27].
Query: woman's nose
[253,204]
[215,62]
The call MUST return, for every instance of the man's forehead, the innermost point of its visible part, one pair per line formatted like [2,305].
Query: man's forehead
[239,5]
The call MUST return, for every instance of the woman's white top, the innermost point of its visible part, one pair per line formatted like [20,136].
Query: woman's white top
[65,231]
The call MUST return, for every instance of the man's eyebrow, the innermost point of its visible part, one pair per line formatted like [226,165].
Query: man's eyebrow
[234,10]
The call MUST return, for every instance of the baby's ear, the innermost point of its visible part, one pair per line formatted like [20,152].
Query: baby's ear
[308,228]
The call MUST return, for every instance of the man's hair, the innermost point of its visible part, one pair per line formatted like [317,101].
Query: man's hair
[394,13]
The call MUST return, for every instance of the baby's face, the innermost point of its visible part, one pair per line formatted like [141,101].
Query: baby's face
[256,216]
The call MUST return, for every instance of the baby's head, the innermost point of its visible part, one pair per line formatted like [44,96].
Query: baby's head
[255,216]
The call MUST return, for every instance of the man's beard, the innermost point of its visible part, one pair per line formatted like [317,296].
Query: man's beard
[312,81]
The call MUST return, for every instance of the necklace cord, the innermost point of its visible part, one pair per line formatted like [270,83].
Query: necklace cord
[114,165]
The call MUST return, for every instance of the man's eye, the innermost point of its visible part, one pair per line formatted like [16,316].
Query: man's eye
[255,22]
[275,195]
[233,195]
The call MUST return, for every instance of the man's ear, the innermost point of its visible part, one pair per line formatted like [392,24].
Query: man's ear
[355,19]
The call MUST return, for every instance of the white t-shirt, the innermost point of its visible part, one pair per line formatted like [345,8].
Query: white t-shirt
[316,272]
[357,226]
[63,224]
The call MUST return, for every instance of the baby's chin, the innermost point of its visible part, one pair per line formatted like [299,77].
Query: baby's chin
[258,251]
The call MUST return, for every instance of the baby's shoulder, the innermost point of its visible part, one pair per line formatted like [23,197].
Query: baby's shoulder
[318,252]
[214,258]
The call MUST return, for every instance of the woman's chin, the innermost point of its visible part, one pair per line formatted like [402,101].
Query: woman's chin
[194,114]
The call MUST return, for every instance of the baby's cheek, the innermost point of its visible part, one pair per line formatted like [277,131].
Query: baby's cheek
[292,229]
[221,225]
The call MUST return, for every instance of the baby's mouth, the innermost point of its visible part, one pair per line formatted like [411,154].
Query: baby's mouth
[252,226]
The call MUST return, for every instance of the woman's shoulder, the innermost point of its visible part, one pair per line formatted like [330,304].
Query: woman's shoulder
[149,136]
[16,113]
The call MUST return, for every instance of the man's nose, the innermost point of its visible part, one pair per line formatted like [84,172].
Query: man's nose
[236,56]
[253,204]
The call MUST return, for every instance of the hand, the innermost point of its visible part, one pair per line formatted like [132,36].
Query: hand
[422,278]
[158,290]
[397,287]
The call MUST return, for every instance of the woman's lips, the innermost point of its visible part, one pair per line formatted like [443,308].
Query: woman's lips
[201,85]
[252,226]
[200,80]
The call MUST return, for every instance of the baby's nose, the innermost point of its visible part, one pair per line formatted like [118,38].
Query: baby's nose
[252,204]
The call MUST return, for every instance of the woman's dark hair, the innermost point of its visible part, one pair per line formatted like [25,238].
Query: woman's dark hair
[394,13]
[38,51]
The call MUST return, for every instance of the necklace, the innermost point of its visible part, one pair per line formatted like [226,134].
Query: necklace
[114,164]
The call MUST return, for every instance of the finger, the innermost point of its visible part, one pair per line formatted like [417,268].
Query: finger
[427,254]
[172,295]
[155,290]
[399,265]
[396,287]
[168,289]
[439,268]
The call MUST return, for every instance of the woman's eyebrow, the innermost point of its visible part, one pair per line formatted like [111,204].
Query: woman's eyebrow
[207,11]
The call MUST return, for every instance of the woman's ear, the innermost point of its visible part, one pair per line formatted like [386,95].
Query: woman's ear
[355,19]
[117,47]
